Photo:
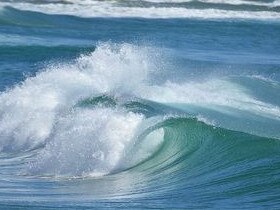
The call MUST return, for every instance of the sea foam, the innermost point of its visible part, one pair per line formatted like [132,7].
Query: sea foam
[113,9]
[80,141]
[30,110]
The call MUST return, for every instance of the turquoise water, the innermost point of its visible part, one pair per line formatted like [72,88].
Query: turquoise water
[140,104]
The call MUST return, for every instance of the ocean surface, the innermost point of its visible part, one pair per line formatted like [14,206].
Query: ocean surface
[160,104]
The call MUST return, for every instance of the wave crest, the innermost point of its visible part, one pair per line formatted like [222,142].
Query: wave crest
[90,116]
[29,112]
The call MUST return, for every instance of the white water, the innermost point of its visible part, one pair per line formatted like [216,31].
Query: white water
[40,110]
[94,138]
[229,2]
[113,9]
[213,94]
[30,110]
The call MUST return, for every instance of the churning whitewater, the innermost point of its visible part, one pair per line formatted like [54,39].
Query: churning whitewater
[90,113]
[139,104]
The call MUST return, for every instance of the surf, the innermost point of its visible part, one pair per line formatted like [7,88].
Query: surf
[105,112]
[155,10]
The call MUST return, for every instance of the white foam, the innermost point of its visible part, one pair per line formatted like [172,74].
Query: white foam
[213,94]
[96,141]
[265,79]
[226,2]
[87,142]
[243,2]
[79,141]
[29,111]
[207,121]
[113,9]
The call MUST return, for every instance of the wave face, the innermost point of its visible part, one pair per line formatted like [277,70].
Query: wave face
[132,111]
[101,116]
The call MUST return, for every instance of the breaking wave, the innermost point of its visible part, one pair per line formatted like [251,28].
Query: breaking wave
[105,112]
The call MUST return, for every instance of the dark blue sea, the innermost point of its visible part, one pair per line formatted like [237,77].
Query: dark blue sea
[139,104]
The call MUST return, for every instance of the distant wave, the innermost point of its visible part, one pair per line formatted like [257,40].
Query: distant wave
[157,9]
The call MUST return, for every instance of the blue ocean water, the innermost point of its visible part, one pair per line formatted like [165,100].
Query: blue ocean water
[164,104]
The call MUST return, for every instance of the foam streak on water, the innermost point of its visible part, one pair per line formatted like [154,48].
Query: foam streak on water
[113,9]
